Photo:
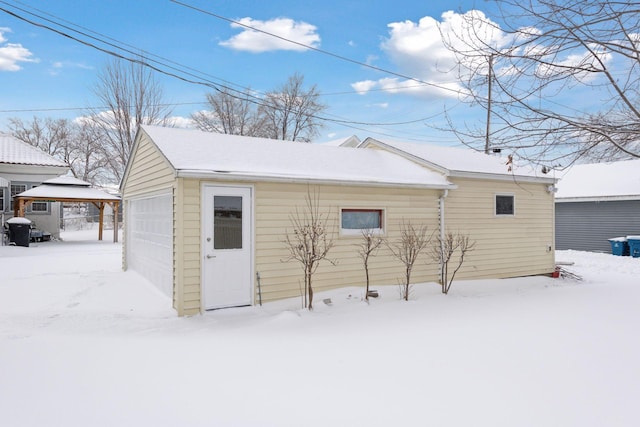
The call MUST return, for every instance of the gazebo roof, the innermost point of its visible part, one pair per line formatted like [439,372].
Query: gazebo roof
[67,188]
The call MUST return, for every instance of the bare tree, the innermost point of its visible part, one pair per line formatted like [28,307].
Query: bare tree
[74,143]
[290,112]
[525,74]
[232,113]
[367,248]
[131,96]
[310,241]
[413,240]
[442,251]
[89,162]
[53,136]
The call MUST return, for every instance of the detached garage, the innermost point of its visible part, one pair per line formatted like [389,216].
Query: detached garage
[205,213]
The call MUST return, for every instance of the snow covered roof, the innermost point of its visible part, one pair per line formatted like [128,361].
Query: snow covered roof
[601,181]
[14,151]
[460,162]
[67,188]
[351,141]
[58,192]
[67,180]
[197,153]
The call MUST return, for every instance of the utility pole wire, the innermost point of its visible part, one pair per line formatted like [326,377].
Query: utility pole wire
[315,49]
[216,87]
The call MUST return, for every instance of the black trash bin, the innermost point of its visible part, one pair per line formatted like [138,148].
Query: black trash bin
[19,231]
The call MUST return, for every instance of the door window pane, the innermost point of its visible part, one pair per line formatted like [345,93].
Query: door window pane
[227,222]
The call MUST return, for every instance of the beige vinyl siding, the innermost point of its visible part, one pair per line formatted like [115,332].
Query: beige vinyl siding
[149,174]
[506,246]
[275,202]
[187,247]
[149,171]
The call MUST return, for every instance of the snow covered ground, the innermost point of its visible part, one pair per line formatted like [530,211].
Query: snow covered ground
[84,344]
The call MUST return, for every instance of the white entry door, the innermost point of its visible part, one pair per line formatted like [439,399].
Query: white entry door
[227,247]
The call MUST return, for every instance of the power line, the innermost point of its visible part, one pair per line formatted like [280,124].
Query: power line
[144,62]
[325,52]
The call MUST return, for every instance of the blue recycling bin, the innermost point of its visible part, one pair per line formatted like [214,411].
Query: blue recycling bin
[634,246]
[619,246]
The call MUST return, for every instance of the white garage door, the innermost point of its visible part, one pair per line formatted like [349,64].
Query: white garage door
[150,240]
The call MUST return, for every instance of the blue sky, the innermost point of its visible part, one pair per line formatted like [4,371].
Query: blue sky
[48,75]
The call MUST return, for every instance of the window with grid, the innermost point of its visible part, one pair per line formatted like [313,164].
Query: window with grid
[17,189]
[41,207]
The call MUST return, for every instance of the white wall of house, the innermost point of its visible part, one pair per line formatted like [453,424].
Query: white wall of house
[45,215]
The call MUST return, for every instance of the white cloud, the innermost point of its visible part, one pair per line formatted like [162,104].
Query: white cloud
[58,66]
[364,86]
[12,54]
[418,50]
[254,41]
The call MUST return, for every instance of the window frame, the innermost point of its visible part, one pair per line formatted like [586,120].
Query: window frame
[358,231]
[12,194]
[28,186]
[2,199]
[513,205]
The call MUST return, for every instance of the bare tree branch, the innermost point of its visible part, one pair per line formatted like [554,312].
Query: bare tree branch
[548,50]
[310,241]
[290,111]
[367,248]
[132,97]
[406,249]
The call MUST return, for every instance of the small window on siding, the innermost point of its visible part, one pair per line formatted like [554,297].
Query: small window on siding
[41,207]
[353,221]
[505,204]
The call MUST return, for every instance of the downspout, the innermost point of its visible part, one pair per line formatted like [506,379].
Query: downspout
[444,195]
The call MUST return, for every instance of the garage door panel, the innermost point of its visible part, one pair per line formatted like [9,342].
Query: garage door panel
[150,245]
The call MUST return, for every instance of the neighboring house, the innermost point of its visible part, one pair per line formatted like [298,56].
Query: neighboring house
[205,214]
[597,202]
[23,167]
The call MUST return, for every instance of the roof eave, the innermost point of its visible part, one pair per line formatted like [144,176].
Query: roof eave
[226,176]
[503,177]
[598,199]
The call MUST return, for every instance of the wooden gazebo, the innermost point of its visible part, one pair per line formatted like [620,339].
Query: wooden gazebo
[69,189]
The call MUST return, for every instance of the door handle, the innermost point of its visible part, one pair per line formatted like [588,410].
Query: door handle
[210,256]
